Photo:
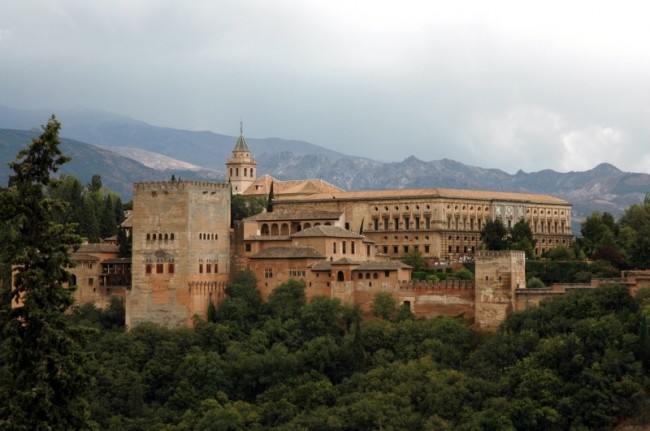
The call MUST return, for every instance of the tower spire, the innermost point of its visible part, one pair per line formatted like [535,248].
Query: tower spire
[241,127]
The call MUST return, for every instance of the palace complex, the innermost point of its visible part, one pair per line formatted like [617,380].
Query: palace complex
[342,244]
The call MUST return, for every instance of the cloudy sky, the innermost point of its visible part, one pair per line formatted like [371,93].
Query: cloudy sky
[512,85]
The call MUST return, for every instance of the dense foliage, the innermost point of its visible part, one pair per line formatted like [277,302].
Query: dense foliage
[96,211]
[624,243]
[577,362]
[495,236]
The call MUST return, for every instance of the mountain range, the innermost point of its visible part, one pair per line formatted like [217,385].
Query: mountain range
[123,150]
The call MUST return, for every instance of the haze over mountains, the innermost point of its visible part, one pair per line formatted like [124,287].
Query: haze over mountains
[123,150]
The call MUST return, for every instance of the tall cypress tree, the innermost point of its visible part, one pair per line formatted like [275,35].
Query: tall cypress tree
[269,202]
[42,374]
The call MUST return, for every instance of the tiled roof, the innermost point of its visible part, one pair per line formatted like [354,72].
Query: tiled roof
[268,238]
[118,260]
[326,231]
[345,261]
[288,253]
[433,193]
[262,186]
[78,257]
[295,215]
[390,265]
[98,248]
[241,145]
[382,266]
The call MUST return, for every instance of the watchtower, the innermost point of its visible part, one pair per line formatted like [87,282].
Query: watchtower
[497,275]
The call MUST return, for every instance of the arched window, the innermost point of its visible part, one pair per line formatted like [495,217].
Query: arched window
[284,229]
[339,276]
[367,276]
[265,230]
[166,237]
[307,226]
[360,276]
[375,275]
[245,172]
[275,231]
[148,237]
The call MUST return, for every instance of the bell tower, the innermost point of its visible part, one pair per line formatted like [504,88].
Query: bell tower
[241,168]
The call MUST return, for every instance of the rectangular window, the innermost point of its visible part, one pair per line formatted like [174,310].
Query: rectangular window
[396,223]
[90,265]
[385,249]
[376,224]
[427,222]
[368,250]
[159,268]
[426,249]
[147,268]
[417,223]
[248,247]
[268,272]
[352,247]
[407,222]
[334,247]
[386,273]
[395,249]
[385,223]
[200,268]
[170,268]
[343,247]
[347,226]
[208,268]
[91,281]
[406,249]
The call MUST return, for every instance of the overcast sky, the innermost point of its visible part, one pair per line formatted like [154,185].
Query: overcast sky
[512,85]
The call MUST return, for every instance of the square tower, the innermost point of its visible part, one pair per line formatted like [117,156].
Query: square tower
[497,275]
[181,251]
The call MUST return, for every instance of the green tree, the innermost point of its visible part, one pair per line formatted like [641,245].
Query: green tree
[493,235]
[286,300]
[124,241]
[595,232]
[383,305]
[415,259]
[242,207]
[270,200]
[95,184]
[41,352]
[521,238]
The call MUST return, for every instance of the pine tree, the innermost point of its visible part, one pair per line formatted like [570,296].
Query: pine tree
[42,378]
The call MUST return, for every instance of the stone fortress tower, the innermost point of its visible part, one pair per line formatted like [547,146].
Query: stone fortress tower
[241,168]
[498,275]
[181,251]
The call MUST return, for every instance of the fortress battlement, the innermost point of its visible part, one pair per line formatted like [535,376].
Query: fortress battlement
[493,254]
[148,186]
[438,285]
